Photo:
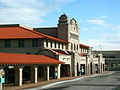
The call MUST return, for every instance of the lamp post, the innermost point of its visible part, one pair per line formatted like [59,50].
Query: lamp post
[100,48]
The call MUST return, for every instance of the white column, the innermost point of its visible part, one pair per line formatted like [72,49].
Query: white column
[47,73]
[34,70]
[18,76]
[58,70]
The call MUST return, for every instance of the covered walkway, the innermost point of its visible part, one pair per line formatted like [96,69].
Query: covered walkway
[22,67]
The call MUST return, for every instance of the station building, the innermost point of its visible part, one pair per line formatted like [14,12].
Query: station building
[26,49]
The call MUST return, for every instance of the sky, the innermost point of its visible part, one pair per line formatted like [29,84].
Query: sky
[99,20]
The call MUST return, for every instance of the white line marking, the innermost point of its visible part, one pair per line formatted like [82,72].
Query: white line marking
[52,84]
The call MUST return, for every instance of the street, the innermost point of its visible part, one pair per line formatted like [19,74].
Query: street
[102,82]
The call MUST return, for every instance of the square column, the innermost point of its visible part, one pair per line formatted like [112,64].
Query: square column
[34,71]
[18,76]
[86,66]
[86,69]
[93,68]
[71,70]
[46,73]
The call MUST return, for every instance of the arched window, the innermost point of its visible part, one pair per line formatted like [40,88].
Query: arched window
[46,43]
[71,46]
[59,45]
[77,46]
[51,44]
[55,44]
[74,47]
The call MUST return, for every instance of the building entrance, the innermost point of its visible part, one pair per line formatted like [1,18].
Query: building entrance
[82,68]
[65,70]
[91,68]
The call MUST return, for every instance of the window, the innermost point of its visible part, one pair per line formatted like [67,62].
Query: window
[21,43]
[46,43]
[68,59]
[59,45]
[62,45]
[73,36]
[64,59]
[55,44]
[7,43]
[51,44]
[77,47]
[71,46]
[74,46]
[35,42]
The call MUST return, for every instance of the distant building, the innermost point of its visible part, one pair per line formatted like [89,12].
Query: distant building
[112,59]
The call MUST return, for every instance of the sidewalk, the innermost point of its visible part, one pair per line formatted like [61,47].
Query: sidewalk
[32,85]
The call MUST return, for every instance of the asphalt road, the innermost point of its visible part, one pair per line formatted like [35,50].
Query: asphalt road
[97,82]
[104,82]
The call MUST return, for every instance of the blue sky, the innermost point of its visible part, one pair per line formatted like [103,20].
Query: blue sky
[99,20]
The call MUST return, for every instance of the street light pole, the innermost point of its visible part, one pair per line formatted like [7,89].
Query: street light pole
[100,48]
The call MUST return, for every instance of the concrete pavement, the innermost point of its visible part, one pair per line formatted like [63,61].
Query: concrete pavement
[95,82]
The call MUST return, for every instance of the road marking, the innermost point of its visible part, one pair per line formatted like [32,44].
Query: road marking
[59,82]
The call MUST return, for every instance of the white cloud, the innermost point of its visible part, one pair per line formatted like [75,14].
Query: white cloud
[103,17]
[84,29]
[28,11]
[95,28]
[64,1]
[107,41]
[97,21]
[116,28]
[102,22]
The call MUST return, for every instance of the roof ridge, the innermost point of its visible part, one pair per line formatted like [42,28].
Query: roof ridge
[42,34]
[35,32]
[31,30]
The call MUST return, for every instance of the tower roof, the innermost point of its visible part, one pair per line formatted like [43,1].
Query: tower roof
[63,15]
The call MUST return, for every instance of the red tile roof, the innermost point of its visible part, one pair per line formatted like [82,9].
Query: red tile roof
[11,58]
[17,33]
[21,32]
[84,46]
